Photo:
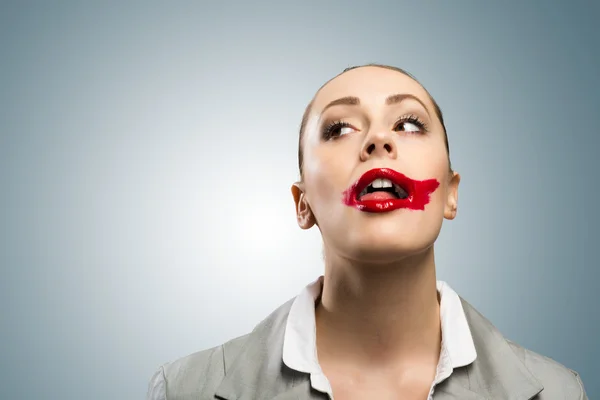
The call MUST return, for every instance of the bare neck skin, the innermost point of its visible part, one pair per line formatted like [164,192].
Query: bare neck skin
[379,316]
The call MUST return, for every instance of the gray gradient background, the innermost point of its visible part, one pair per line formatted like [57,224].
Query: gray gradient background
[147,150]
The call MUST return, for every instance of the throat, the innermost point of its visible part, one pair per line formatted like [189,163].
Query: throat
[387,310]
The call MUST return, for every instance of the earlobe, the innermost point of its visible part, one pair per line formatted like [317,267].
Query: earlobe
[451,207]
[304,214]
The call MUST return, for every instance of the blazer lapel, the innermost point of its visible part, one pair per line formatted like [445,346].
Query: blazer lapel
[497,373]
[457,387]
[258,371]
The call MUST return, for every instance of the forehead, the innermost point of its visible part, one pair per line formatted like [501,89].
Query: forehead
[371,85]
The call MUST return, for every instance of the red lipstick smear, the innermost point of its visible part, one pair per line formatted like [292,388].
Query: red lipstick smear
[418,192]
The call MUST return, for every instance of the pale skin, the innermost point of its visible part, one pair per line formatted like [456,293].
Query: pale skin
[378,321]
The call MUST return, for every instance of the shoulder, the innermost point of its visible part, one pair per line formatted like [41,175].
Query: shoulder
[196,375]
[558,381]
[502,366]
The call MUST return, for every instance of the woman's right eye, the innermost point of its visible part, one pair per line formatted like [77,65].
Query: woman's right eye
[344,130]
[337,129]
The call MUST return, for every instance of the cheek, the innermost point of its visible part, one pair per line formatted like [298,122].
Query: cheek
[434,160]
[325,173]
[324,192]
[439,172]
[439,198]
[321,188]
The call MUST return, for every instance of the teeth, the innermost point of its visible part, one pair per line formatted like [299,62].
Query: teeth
[381,183]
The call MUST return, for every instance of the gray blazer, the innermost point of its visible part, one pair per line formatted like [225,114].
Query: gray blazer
[250,368]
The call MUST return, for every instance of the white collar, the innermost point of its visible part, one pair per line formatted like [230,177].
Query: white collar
[299,343]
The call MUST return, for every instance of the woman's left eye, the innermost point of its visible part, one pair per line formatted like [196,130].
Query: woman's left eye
[409,127]
[410,124]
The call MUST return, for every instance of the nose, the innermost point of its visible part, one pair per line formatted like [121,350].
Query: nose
[379,144]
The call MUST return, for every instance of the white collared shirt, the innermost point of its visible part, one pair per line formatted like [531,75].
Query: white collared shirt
[300,345]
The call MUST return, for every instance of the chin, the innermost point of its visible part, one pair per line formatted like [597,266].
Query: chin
[382,251]
[381,238]
[384,243]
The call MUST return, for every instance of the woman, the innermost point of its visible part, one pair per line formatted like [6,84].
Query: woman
[376,180]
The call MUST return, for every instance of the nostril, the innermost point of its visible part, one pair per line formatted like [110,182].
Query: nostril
[371,148]
[388,147]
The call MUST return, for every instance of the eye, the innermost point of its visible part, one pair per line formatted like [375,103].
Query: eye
[409,127]
[344,130]
[337,129]
[410,124]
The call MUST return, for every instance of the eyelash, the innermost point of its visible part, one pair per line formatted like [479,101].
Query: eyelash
[328,131]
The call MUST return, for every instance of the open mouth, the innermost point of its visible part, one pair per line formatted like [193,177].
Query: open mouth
[383,189]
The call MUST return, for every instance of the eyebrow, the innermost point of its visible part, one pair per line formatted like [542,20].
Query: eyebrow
[393,99]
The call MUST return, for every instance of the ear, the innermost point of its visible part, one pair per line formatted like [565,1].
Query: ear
[304,214]
[452,196]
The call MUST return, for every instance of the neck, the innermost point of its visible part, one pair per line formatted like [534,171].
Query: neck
[379,314]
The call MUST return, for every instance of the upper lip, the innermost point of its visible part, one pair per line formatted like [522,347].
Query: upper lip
[395,177]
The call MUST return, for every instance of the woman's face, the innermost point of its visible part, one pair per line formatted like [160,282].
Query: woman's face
[384,120]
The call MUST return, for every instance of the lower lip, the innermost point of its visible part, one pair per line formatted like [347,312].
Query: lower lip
[417,199]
